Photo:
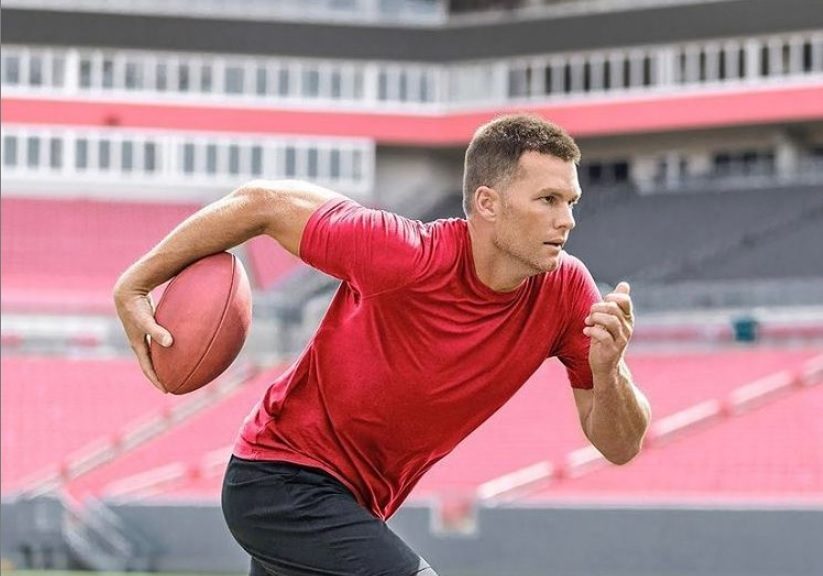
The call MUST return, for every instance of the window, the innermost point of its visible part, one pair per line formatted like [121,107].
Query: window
[336,88]
[426,88]
[183,77]
[234,79]
[311,82]
[334,164]
[357,164]
[291,162]
[85,72]
[112,153]
[81,154]
[32,151]
[9,150]
[188,158]
[211,158]
[11,70]
[134,76]
[312,170]
[234,159]
[403,86]
[519,80]
[58,71]
[261,81]
[283,79]
[205,78]
[35,70]
[383,85]
[161,77]
[127,156]
[150,156]
[108,73]
[104,154]
[256,160]
[807,56]
[56,153]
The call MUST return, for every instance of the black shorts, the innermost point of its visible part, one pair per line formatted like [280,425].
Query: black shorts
[298,521]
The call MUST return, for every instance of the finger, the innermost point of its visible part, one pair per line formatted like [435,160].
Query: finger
[608,308]
[148,325]
[599,333]
[610,322]
[144,358]
[161,335]
[623,288]
[623,301]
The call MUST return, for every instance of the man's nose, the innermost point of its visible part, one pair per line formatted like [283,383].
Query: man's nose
[565,220]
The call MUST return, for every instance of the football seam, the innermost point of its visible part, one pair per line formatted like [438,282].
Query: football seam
[219,326]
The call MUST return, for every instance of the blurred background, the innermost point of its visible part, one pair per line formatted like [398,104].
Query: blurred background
[701,126]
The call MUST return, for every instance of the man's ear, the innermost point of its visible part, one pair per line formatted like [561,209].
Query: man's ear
[487,203]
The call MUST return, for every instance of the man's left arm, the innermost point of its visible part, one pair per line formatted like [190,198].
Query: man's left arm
[614,414]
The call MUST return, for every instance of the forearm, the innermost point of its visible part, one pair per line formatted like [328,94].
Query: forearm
[619,416]
[219,226]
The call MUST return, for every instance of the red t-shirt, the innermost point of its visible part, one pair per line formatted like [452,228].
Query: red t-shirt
[413,354]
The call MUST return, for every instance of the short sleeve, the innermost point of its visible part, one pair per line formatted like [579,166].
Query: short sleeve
[373,250]
[573,351]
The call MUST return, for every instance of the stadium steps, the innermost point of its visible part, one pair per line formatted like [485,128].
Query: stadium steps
[651,235]
[763,404]
[201,439]
[110,446]
[716,256]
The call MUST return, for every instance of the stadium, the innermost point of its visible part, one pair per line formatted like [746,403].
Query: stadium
[701,128]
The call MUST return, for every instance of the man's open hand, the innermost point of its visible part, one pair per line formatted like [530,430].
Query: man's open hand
[609,325]
[136,312]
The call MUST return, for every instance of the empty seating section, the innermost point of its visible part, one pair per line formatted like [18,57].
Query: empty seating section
[188,444]
[792,253]
[638,237]
[770,454]
[541,423]
[757,233]
[65,255]
[53,407]
[269,261]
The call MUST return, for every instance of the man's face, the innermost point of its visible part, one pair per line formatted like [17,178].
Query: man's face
[536,214]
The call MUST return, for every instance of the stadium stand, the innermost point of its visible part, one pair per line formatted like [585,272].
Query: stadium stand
[771,454]
[64,255]
[689,227]
[188,445]
[540,422]
[538,425]
[791,251]
[701,174]
[51,409]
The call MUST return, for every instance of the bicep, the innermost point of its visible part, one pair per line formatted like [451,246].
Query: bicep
[285,206]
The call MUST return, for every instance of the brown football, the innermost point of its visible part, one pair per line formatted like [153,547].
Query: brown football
[207,308]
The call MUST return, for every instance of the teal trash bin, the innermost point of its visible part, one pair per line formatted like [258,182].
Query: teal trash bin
[745,328]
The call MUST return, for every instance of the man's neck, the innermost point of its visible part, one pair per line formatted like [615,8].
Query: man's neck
[494,269]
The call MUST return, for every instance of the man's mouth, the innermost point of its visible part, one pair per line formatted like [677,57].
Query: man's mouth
[557,244]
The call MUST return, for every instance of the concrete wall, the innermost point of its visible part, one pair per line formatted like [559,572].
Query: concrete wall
[527,541]
[683,22]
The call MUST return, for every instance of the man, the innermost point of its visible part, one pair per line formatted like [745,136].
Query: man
[434,327]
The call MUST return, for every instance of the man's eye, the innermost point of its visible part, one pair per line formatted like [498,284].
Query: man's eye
[548,199]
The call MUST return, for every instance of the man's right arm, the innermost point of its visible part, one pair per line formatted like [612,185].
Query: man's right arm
[279,209]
